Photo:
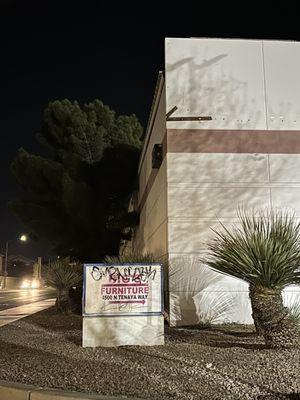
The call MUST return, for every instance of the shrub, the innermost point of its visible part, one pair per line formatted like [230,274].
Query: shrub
[63,276]
[265,252]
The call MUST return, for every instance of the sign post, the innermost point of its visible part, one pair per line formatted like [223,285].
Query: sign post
[123,305]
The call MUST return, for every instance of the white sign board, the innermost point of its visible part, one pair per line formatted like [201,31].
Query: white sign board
[122,289]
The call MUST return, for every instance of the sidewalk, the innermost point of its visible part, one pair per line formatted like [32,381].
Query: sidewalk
[15,313]
[8,290]
[15,391]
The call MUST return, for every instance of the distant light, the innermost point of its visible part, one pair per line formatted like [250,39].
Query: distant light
[35,284]
[25,284]
[23,238]
[30,284]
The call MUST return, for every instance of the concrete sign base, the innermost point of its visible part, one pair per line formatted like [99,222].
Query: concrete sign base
[116,331]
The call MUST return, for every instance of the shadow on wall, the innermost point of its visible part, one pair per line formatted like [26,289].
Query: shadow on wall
[199,89]
[201,296]
[189,304]
[209,90]
[214,202]
[217,167]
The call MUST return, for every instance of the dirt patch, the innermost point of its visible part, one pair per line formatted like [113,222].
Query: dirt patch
[226,362]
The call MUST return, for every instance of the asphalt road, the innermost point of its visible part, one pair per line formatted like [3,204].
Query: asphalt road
[15,298]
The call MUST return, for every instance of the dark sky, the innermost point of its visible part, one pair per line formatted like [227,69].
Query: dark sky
[81,51]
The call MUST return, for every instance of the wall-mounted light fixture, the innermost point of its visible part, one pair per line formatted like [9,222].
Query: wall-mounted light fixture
[157,155]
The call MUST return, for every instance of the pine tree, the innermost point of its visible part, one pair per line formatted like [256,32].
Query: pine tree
[76,192]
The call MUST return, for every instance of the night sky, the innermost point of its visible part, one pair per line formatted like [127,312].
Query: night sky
[54,50]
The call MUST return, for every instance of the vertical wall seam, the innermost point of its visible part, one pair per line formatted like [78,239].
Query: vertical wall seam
[264,83]
[166,149]
[269,180]
[267,118]
[167,305]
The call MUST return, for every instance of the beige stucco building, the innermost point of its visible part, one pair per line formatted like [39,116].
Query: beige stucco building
[245,151]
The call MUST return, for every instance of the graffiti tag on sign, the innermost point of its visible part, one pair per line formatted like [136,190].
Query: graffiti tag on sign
[122,289]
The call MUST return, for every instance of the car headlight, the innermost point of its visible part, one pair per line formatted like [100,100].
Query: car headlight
[25,284]
[35,284]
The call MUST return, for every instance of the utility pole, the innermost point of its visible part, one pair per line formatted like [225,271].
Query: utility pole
[37,269]
[5,265]
[40,268]
[22,238]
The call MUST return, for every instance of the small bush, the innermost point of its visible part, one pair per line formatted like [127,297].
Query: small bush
[63,276]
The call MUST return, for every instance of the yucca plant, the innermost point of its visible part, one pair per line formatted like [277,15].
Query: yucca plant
[263,250]
[62,276]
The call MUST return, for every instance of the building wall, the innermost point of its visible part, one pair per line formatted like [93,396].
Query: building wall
[151,235]
[248,154]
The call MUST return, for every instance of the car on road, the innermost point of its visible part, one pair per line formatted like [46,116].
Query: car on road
[30,283]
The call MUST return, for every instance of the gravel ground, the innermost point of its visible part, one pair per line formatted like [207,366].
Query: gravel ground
[226,362]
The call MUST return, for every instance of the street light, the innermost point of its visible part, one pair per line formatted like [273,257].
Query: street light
[23,238]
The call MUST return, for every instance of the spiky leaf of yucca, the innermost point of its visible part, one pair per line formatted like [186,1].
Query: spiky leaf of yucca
[265,252]
[62,275]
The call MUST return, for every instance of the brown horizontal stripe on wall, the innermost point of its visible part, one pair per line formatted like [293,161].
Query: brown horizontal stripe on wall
[232,141]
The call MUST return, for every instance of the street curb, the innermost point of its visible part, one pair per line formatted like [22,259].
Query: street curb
[18,391]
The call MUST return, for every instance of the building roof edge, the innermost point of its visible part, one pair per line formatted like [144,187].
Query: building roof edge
[155,102]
